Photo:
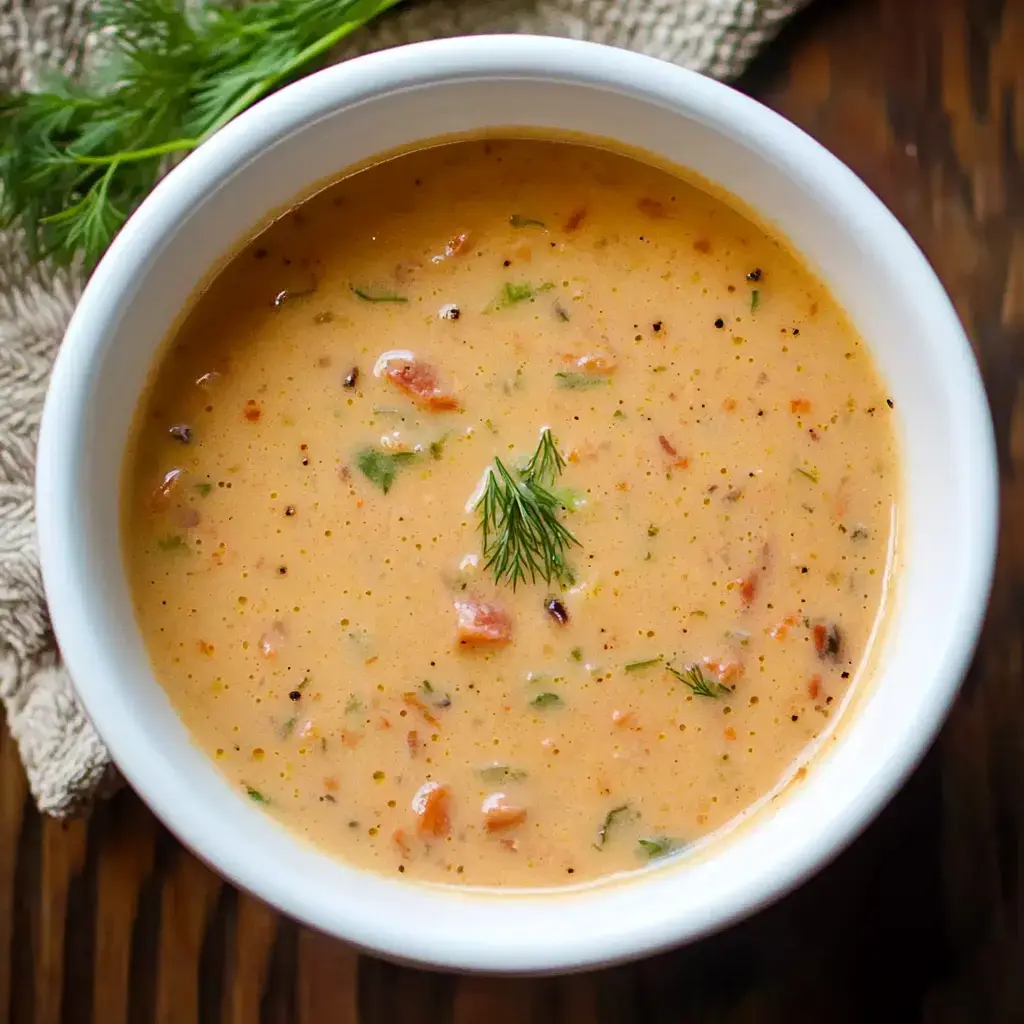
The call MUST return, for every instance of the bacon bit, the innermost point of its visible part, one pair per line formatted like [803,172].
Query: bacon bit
[351,739]
[398,838]
[205,648]
[499,814]
[331,783]
[729,404]
[683,463]
[252,411]
[726,671]
[799,405]
[575,218]
[748,589]
[730,733]
[414,702]
[702,245]
[412,741]
[781,629]
[160,499]
[623,718]
[814,686]
[419,382]
[826,640]
[478,622]
[654,208]
[272,641]
[430,805]
[667,445]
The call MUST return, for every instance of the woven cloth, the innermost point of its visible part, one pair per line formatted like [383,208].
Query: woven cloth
[66,763]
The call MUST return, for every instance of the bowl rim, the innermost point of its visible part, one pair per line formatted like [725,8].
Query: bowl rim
[302,103]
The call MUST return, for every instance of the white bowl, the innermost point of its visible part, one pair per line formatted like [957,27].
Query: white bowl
[338,118]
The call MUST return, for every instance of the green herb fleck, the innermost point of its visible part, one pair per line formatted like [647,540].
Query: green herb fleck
[517,220]
[638,666]
[656,846]
[755,300]
[437,447]
[693,677]
[203,489]
[288,727]
[496,774]
[172,542]
[513,294]
[255,795]
[367,295]
[381,467]
[353,705]
[576,381]
[652,531]
[546,700]
[811,474]
[611,818]
[576,654]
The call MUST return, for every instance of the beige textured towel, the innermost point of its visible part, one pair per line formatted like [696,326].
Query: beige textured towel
[66,762]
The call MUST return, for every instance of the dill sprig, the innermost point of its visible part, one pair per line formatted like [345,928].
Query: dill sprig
[522,534]
[693,677]
[76,160]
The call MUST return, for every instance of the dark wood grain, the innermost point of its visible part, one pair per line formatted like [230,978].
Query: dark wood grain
[109,921]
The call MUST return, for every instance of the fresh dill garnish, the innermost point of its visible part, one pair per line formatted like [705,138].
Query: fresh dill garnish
[513,294]
[811,474]
[368,295]
[255,795]
[656,846]
[546,700]
[610,819]
[382,467]
[517,220]
[75,161]
[522,534]
[638,666]
[693,677]
[499,773]
[755,300]
[575,381]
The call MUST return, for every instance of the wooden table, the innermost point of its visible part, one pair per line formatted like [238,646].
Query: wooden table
[109,920]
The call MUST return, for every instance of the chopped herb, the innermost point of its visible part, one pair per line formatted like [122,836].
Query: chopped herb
[512,294]
[693,677]
[546,700]
[172,542]
[618,415]
[381,467]
[755,300]
[575,381]
[652,531]
[638,666]
[656,846]
[368,295]
[859,533]
[436,448]
[561,312]
[613,816]
[203,489]
[499,773]
[288,727]
[522,535]
[255,795]
[426,686]
[353,705]
[811,474]
[517,220]
[576,654]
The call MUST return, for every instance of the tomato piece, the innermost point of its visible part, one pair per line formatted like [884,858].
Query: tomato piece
[479,622]
[414,702]
[799,405]
[431,805]
[419,382]
[748,589]
[666,446]
[499,814]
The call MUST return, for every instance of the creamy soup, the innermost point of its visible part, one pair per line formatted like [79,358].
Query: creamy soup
[511,513]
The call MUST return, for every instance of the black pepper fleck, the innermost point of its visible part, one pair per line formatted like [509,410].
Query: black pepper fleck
[719,323]
[755,274]
[506,263]
[294,695]
[352,377]
[656,325]
[889,403]
[282,570]
[289,510]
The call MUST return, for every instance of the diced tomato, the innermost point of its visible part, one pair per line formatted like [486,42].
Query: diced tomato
[205,648]
[350,739]
[748,589]
[667,446]
[457,244]
[826,640]
[729,405]
[419,382]
[412,741]
[252,411]
[331,783]
[499,814]
[730,733]
[798,405]
[622,718]
[479,622]
[781,629]
[727,671]
[814,686]
[431,805]
[575,218]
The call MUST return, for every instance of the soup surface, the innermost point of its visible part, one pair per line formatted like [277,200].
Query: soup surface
[699,545]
